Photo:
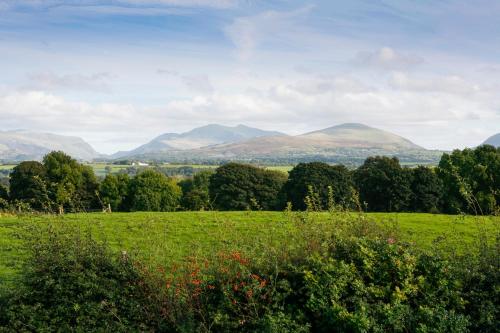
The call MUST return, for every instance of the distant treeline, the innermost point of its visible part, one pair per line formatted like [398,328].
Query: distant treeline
[465,181]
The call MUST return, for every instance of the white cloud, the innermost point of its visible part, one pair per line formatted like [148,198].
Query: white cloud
[249,32]
[387,58]
[452,84]
[291,106]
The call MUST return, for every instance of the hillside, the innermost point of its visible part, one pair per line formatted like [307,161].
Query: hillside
[25,145]
[346,143]
[197,138]
[493,140]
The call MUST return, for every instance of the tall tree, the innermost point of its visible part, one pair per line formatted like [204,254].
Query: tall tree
[28,184]
[427,190]
[71,185]
[153,191]
[324,180]
[383,185]
[471,179]
[237,186]
[195,191]
[4,197]
[113,191]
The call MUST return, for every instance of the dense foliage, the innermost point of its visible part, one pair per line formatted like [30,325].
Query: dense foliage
[114,191]
[153,191]
[322,181]
[347,274]
[471,179]
[383,185]
[239,187]
[195,191]
[426,190]
[466,181]
[28,184]
[71,185]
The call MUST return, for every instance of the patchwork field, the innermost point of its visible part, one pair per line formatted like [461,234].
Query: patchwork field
[170,237]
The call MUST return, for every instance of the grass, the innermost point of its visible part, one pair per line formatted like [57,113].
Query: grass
[170,237]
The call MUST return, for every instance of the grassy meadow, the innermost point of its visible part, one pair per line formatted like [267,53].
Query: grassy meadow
[170,237]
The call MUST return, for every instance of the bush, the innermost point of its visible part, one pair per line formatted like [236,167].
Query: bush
[71,282]
[345,275]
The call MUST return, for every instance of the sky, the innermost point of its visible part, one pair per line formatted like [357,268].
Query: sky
[120,72]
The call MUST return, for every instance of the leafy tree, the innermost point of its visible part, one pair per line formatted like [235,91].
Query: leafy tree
[28,185]
[427,190]
[195,195]
[383,185]
[237,186]
[113,191]
[71,185]
[320,178]
[153,191]
[471,179]
[4,197]
[4,193]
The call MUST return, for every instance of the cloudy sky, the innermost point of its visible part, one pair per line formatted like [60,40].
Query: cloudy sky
[120,72]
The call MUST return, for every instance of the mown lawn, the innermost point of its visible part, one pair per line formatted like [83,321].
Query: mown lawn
[170,237]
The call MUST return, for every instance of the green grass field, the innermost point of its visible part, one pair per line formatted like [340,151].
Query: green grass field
[170,237]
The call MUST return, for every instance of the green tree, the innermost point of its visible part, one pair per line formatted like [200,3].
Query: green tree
[113,191]
[427,190]
[237,186]
[28,185]
[4,193]
[383,185]
[195,195]
[320,178]
[153,191]
[471,179]
[71,185]
[4,197]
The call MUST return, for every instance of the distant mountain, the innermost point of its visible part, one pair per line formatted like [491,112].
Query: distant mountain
[197,138]
[25,145]
[493,140]
[346,143]
[355,137]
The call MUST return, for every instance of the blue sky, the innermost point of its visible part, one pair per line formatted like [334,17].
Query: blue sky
[120,72]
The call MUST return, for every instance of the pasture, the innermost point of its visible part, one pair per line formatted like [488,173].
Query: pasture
[170,237]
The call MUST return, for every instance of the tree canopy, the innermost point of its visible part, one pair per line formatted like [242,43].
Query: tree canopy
[237,186]
[383,185]
[153,191]
[327,182]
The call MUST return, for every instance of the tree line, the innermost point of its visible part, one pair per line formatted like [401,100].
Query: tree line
[465,181]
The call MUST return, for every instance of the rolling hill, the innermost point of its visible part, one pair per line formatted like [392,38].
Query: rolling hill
[493,140]
[18,146]
[347,143]
[199,137]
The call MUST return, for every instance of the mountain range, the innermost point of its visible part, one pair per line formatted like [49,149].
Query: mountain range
[21,145]
[493,140]
[347,143]
[204,136]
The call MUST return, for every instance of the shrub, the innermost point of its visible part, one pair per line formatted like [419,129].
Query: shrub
[71,282]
